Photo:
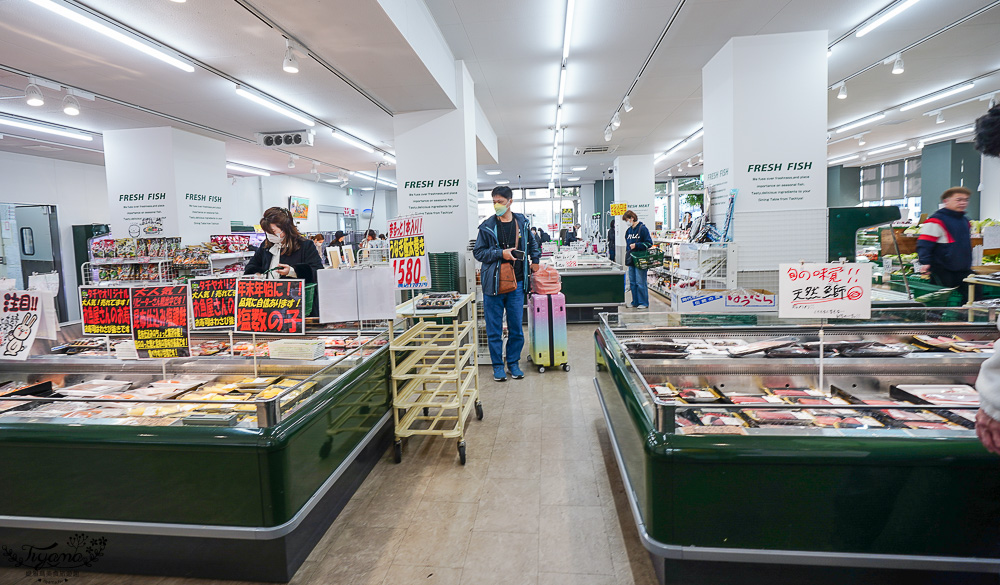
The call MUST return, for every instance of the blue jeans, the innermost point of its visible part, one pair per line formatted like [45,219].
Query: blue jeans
[639,287]
[493,309]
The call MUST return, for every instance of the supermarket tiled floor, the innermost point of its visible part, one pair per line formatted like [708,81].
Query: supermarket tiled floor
[540,500]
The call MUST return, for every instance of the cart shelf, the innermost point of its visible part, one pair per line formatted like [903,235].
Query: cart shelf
[433,363]
[427,334]
[435,394]
[439,422]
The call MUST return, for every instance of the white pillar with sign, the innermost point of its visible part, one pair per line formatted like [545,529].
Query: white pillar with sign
[164,182]
[634,185]
[765,103]
[436,169]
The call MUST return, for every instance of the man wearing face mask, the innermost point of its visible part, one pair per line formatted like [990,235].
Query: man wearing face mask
[505,247]
[285,253]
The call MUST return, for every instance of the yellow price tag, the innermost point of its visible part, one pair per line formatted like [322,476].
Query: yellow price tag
[618,209]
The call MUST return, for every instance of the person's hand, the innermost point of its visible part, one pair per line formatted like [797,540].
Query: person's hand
[924,269]
[283,269]
[632,246]
[988,431]
[507,254]
[534,267]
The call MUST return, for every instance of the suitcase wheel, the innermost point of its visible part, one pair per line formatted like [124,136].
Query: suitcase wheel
[541,369]
[565,367]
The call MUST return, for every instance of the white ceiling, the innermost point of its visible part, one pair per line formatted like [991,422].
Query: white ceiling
[513,51]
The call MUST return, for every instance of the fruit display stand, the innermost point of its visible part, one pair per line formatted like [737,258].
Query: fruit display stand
[435,372]
[246,502]
[871,504]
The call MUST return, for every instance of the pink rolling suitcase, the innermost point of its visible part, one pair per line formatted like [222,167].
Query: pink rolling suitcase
[548,341]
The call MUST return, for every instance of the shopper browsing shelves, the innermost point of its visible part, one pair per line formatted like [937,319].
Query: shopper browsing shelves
[505,246]
[285,253]
[945,245]
[637,239]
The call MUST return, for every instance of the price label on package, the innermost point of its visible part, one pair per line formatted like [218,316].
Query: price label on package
[831,291]
[410,266]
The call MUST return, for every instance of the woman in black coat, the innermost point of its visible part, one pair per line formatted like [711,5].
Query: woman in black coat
[285,253]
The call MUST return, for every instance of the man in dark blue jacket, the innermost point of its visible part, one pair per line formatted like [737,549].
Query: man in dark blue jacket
[505,238]
[637,239]
[945,245]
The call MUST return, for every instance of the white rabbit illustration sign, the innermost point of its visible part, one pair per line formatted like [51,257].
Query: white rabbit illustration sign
[18,324]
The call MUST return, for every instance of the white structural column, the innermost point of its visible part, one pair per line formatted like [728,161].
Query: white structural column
[634,184]
[164,182]
[436,169]
[765,125]
[989,193]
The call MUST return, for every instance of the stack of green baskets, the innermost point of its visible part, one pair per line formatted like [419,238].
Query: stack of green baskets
[444,271]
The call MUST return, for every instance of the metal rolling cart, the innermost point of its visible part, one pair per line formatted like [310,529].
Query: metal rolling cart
[435,372]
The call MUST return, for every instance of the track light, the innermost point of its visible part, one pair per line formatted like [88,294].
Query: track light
[689,163]
[290,64]
[861,140]
[607,134]
[388,158]
[912,146]
[315,168]
[273,106]
[71,107]
[940,118]
[627,104]
[616,121]
[343,137]
[291,162]
[33,95]
[897,66]
[842,94]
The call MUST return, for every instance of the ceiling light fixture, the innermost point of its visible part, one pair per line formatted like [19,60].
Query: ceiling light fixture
[179,1]
[315,168]
[273,106]
[494,172]
[933,98]
[137,42]
[389,158]
[503,182]
[290,64]
[562,85]
[940,118]
[885,149]
[881,19]
[842,94]
[71,107]
[897,65]
[950,133]
[559,112]
[578,169]
[837,161]
[371,178]
[861,122]
[291,161]
[347,138]
[568,32]
[240,168]
[572,178]
[56,130]
[616,121]
[33,96]
[861,140]
[627,104]
[607,134]
[689,163]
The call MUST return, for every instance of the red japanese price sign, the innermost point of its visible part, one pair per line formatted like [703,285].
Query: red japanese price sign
[830,291]
[160,321]
[106,310]
[273,307]
[410,266]
[213,302]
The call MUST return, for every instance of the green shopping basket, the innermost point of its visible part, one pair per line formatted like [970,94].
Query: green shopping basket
[646,259]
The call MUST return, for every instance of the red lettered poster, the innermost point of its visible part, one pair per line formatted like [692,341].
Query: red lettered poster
[410,265]
[272,307]
[106,310]
[213,303]
[160,321]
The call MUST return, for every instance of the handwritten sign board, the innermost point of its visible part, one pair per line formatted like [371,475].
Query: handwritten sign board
[213,302]
[721,301]
[687,256]
[273,307]
[106,310]
[410,266]
[19,324]
[827,291]
[160,321]
[618,209]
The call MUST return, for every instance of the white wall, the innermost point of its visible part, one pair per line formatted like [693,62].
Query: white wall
[989,201]
[250,196]
[79,192]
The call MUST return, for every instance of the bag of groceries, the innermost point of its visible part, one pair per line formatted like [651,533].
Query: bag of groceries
[546,281]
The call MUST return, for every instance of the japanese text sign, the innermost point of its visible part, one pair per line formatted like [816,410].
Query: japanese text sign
[106,310]
[160,321]
[213,302]
[831,291]
[18,324]
[618,209]
[274,307]
[410,266]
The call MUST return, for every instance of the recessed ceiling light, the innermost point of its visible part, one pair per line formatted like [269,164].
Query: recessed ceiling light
[578,169]
[494,172]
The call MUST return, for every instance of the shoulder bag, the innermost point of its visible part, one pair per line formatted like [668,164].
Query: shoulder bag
[508,280]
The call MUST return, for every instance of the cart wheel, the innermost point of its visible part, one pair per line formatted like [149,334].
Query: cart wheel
[565,367]
[541,369]
[397,451]
[479,410]
[426,410]
[461,452]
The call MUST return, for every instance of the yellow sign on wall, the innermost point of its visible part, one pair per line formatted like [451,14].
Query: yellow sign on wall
[567,216]
[618,209]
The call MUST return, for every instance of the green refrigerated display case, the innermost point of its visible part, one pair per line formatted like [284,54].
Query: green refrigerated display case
[243,502]
[800,504]
[591,290]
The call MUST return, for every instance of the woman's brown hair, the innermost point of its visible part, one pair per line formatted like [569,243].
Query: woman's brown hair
[281,218]
[629,214]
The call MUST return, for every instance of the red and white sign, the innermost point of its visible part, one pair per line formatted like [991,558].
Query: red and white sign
[410,266]
[832,291]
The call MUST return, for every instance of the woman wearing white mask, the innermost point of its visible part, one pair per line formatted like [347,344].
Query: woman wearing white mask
[286,253]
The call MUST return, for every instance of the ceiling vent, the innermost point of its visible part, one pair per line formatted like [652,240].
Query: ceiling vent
[580,150]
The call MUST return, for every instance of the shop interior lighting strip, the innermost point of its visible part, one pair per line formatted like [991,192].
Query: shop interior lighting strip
[45,127]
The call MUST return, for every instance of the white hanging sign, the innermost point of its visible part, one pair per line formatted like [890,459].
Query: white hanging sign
[826,291]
